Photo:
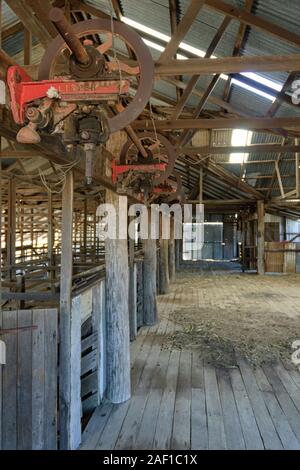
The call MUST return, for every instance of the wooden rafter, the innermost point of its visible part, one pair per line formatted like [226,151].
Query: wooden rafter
[238,46]
[181,30]
[252,20]
[227,65]
[194,80]
[221,123]
[20,8]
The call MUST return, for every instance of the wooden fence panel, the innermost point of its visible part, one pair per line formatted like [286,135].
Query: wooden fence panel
[280,257]
[274,257]
[289,263]
[29,380]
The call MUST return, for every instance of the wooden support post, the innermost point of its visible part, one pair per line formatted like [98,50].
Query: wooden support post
[117,287]
[150,268]
[178,244]
[31,231]
[279,179]
[22,231]
[85,229]
[171,253]
[260,237]
[164,278]
[297,169]
[11,228]
[95,234]
[132,302]
[51,273]
[65,388]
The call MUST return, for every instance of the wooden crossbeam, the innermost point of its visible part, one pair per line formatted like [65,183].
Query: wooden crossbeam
[187,136]
[221,123]
[181,30]
[255,21]
[20,8]
[238,45]
[227,65]
[194,80]
[257,148]
[42,8]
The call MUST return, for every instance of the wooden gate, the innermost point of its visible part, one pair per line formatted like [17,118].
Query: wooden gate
[28,403]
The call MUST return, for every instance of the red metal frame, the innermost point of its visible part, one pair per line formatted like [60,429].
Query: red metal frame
[142,168]
[164,190]
[24,91]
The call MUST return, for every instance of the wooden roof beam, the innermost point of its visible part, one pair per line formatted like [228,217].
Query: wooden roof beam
[181,31]
[256,148]
[238,45]
[194,80]
[244,16]
[228,65]
[29,20]
[221,123]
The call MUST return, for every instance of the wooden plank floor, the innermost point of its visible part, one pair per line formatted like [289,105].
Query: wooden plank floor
[180,402]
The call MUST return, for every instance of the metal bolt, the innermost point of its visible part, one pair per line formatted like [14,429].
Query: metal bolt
[85,135]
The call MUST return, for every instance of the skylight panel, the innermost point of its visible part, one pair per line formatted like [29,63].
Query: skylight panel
[200,53]
[240,138]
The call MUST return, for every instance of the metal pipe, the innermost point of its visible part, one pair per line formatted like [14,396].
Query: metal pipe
[133,136]
[62,25]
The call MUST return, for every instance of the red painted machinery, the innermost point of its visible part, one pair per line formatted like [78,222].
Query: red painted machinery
[144,164]
[82,81]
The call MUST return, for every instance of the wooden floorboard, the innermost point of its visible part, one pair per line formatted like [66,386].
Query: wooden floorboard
[233,429]
[180,402]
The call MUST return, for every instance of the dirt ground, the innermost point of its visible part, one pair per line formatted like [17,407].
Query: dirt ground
[224,315]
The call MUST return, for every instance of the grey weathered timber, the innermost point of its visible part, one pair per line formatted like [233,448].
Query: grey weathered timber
[29,394]
[178,250]
[182,413]
[118,355]
[51,357]
[215,423]
[199,431]
[11,228]
[24,380]
[65,314]
[132,299]
[99,326]
[263,419]
[174,404]
[75,373]
[233,430]
[251,433]
[164,267]
[261,238]
[171,252]
[150,267]
[9,386]
[140,294]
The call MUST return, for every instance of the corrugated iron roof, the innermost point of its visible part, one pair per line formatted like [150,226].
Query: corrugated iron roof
[155,14]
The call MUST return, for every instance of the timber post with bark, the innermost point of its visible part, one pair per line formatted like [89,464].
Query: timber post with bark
[117,309]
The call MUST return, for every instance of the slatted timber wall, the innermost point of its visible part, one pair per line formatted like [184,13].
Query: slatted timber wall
[281,257]
[88,351]
[29,380]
